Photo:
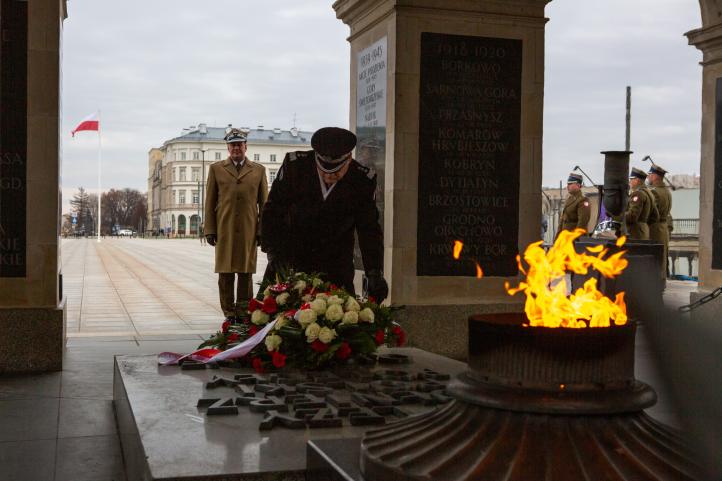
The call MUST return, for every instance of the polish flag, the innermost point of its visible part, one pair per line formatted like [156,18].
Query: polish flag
[91,122]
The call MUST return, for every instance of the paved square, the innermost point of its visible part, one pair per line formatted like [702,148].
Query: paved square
[135,287]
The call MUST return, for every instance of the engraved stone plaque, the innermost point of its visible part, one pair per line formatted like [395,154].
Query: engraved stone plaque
[13,137]
[469,137]
[717,203]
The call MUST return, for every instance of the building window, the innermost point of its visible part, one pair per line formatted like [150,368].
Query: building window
[272,175]
[256,157]
[196,156]
[181,196]
[218,156]
[181,174]
[183,156]
[196,197]
[273,157]
[196,174]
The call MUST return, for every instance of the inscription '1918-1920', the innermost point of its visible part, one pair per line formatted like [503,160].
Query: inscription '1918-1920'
[469,137]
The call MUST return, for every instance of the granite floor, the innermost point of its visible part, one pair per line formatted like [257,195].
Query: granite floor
[60,426]
[133,287]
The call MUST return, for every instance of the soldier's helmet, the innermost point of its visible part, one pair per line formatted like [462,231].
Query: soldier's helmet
[575,178]
[657,169]
[637,174]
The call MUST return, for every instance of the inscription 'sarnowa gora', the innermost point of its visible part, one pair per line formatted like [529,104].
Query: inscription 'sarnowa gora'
[469,136]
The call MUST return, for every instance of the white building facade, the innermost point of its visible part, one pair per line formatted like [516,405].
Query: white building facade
[177,171]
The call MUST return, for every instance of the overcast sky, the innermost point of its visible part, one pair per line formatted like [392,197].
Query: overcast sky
[154,67]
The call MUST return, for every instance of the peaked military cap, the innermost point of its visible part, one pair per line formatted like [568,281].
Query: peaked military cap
[333,142]
[637,174]
[656,169]
[235,135]
[575,178]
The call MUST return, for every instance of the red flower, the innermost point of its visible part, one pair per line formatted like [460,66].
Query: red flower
[344,351]
[379,338]
[252,330]
[305,306]
[290,313]
[372,299]
[257,365]
[333,287]
[224,326]
[269,305]
[400,335]
[254,305]
[233,337]
[318,346]
[278,359]
[279,288]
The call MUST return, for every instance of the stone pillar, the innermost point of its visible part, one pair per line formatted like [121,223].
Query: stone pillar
[708,39]
[32,312]
[447,101]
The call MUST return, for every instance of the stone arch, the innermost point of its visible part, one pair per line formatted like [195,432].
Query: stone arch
[181,225]
[194,225]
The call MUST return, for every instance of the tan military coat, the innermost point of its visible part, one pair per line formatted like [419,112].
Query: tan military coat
[576,213]
[659,231]
[638,207]
[234,202]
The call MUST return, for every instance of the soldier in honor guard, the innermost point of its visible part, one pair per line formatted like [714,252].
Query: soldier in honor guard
[660,230]
[577,209]
[641,209]
[318,200]
[235,194]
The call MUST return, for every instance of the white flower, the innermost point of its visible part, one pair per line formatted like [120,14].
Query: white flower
[305,317]
[319,305]
[307,298]
[322,295]
[334,313]
[312,332]
[326,335]
[273,341]
[259,317]
[282,298]
[300,286]
[335,300]
[352,305]
[316,282]
[367,315]
[350,317]
[281,321]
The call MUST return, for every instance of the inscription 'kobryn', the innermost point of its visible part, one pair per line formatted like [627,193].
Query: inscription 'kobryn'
[469,130]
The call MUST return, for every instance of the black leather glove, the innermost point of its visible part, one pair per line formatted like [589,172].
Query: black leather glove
[211,239]
[377,286]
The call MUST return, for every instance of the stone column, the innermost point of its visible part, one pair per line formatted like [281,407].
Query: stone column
[447,101]
[708,39]
[32,312]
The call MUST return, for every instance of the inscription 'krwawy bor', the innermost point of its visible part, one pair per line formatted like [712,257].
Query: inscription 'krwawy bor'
[469,131]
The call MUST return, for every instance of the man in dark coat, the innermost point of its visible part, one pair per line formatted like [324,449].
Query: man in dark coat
[318,200]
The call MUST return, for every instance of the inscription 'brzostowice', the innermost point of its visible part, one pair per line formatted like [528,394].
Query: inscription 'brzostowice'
[469,131]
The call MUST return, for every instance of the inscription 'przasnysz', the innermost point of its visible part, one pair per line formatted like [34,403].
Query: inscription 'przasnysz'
[469,136]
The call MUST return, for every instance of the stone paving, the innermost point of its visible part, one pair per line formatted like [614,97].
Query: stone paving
[130,287]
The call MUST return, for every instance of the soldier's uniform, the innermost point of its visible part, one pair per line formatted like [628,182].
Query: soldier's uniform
[639,207]
[660,230]
[577,209]
[309,226]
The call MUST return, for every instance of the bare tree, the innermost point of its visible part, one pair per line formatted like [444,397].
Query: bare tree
[123,208]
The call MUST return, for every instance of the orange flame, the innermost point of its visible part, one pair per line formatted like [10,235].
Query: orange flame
[547,303]
[479,272]
[458,246]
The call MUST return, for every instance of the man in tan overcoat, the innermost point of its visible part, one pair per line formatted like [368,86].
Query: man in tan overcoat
[235,194]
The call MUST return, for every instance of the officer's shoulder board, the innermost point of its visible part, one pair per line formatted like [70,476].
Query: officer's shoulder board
[298,155]
[369,172]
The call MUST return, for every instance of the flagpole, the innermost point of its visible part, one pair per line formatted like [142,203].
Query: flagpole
[100,192]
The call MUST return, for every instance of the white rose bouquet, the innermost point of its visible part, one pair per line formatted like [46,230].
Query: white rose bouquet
[315,324]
